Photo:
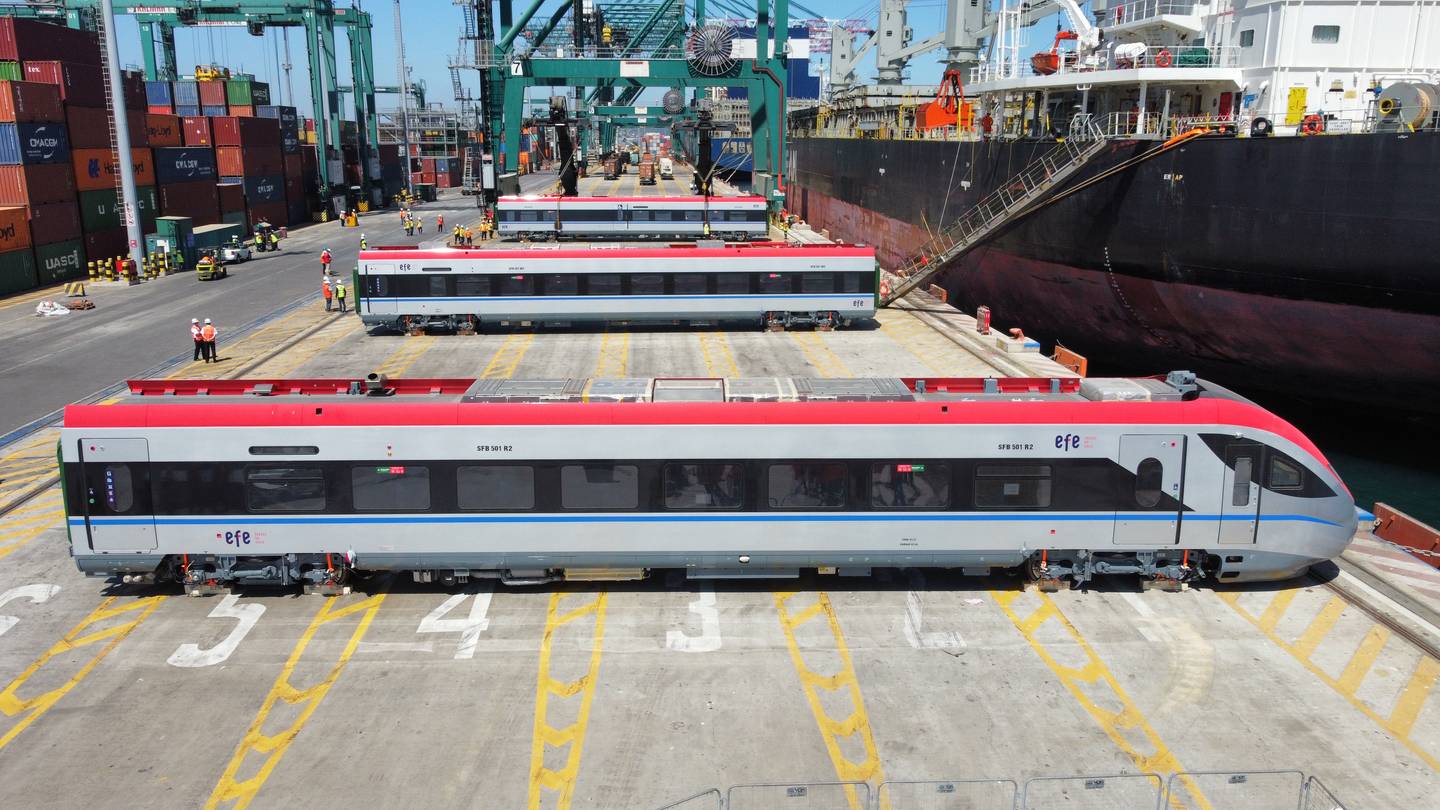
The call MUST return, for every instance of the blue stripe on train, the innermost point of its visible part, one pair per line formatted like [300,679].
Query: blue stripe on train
[616,297]
[676,518]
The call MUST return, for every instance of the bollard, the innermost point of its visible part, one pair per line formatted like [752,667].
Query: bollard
[109,269]
[94,272]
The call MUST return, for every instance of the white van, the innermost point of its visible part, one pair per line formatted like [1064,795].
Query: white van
[667,168]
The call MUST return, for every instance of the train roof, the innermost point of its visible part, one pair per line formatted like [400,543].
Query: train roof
[677,250]
[750,198]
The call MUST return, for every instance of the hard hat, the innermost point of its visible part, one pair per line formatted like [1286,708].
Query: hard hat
[207,320]
[362,236]
[194,320]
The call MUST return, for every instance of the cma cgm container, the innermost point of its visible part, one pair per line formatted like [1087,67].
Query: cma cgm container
[90,127]
[36,185]
[195,131]
[163,130]
[34,143]
[100,210]
[78,84]
[60,261]
[23,40]
[197,200]
[248,161]
[14,228]
[54,222]
[233,131]
[17,269]
[184,164]
[30,102]
[96,168]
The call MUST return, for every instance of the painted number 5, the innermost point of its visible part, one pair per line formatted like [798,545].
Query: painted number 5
[190,655]
[35,594]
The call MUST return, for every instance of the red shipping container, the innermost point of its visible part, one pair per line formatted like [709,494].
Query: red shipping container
[427,164]
[309,160]
[231,196]
[132,88]
[230,130]
[242,111]
[160,109]
[237,161]
[195,131]
[90,127]
[79,84]
[427,177]
[37,185]
[198,200]
[30,102]
[102,245]
[24,40]
[294,166]
[212,94]
[163,130]
[54,222]
[294,189]
[96,169]
[442,180]
[275,213]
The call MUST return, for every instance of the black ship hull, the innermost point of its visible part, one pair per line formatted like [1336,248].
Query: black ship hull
[1307,265]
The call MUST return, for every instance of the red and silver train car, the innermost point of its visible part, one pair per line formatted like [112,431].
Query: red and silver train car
[309,481]
[774,284]
[734,218]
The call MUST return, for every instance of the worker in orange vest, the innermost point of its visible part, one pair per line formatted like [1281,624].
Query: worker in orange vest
[208,334]
[326,292]
[195,336]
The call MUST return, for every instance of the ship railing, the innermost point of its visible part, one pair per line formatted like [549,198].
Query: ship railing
[1127,56]
[1217,123]
[1140,10]
[1130,124]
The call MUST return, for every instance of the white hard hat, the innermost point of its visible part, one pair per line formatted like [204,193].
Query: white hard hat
[194,320]
[362,236]
[207,320]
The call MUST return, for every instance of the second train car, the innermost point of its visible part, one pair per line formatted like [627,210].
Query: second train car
[732,218]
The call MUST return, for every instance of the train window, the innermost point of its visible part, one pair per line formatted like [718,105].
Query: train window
[694,215]
[603,283]
[472,285]
[1012,486]
[284,450]
[647,284]
[527,216]
[909,486]
[732,283]
[285,489]
[376,286]
[775,283]
[639,216]
[704,486]
[817,283]
[852,282]
[1149,481]
[390,488]
[690,283]
[819,485]
[560,284]
[1284,474]
[514,285]
[118,489]
[436,287]
[493,487]
[599,486]
[1244,476]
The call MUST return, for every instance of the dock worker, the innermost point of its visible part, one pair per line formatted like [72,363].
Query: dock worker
[195,336]
[325,261]
[208,334]
[439,223]
[340,293]
[456,236]
[326,292]
[363,244]
[259,242]
[274,241]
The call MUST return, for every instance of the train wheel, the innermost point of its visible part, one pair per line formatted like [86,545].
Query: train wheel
[412,324]
[467,325]
[775,322]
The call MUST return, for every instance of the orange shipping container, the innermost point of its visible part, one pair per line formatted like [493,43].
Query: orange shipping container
[96,170]
[242,111]
[14,228]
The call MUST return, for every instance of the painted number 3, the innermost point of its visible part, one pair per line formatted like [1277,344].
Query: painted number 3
[237,538]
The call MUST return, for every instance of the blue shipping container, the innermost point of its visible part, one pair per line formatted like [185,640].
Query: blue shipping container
[33,143]
[289,143]
[159,93]
[287,116]
[184,164]
[186,93]
[220,110]
[187,110]
[265,188]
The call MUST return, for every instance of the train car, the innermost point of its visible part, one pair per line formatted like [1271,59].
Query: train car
[284,482]
[732,218]
[773,284]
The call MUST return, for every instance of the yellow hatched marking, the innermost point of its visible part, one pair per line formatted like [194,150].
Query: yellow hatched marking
[719,360]
[32,461]
[81,635]
[561,782]
[507,358]
[928,346]
[824,361]
[831,730]
[1401,719]
[614,354]
[30,521]
[287,363]
[1096,675]
[273,746]
[406,356]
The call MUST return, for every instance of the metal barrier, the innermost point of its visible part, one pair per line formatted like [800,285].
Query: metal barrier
[1240,790]
[958,794]
[1318,797]
[1135,791]
[705,800]
[811,796]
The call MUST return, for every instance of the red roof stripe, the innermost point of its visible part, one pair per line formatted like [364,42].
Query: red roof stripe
[679,253]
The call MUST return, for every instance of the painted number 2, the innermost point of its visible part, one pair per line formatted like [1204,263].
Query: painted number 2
[191,656]
[469,627]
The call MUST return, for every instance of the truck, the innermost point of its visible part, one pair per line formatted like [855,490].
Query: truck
[667,169]
[647,172]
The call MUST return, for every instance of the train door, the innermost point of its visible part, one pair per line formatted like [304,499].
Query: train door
[1150,511]
[118,514]
[378,294]
[1240,496]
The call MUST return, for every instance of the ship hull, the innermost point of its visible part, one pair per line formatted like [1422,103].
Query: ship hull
[1305,265]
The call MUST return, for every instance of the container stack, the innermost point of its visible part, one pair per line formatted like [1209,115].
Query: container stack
[187,176]
[244,95]
[247,151]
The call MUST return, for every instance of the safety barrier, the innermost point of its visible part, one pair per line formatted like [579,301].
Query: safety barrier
[1218,790]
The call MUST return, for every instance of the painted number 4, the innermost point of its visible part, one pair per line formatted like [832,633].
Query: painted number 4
[469,627]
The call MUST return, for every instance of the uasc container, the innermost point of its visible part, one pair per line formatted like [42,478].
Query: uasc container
[60,261]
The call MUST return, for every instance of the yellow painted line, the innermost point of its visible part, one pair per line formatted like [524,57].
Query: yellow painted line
[1275,611]
[400,360]
[287,363]
[30,521]
[823,361]
[57,291]
[507,358]
[719,360]
[1094,674]
[561,783]
[1401,719]
[1320,627]
[940,354]
[614,354]
[273,746]
[33,708]
[832,730]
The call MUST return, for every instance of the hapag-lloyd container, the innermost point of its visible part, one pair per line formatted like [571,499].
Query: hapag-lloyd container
[14,228]
[197,200]
[230,130]
[36,185]
[30,102]
[184,164]
[163,130]
[96,168]
[248,161]
[33,143]
[23,40]
[54,222]
[79,84]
